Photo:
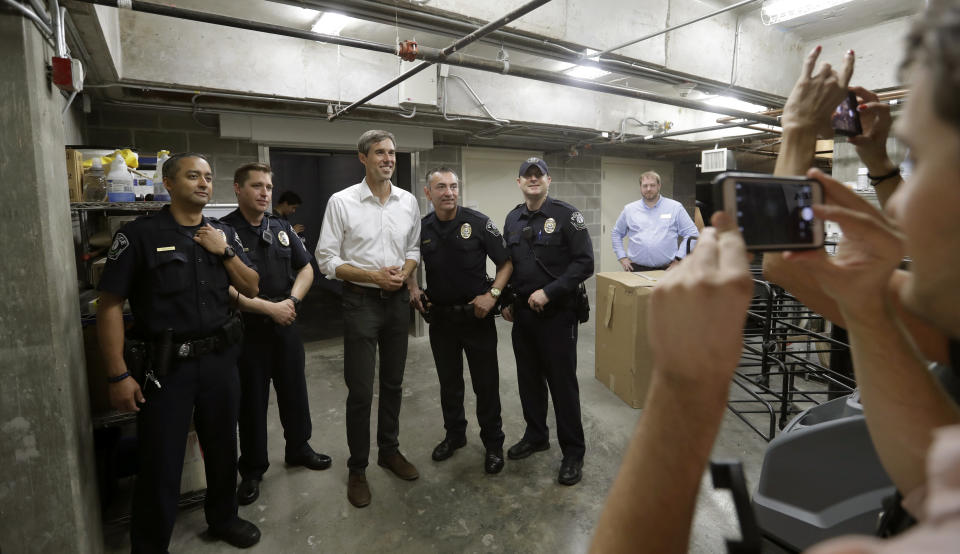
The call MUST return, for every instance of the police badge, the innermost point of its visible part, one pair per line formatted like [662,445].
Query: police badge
[284,239]
[550,225]
[466,231]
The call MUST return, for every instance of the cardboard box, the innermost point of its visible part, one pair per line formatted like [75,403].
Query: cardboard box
[624,361]
[75,174]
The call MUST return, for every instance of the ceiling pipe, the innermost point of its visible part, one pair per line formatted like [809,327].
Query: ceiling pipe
[238,23]
[435,55]
[423,19]
[470,38]
[673,28]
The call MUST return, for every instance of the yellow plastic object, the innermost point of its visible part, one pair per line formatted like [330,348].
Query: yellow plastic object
[129,156]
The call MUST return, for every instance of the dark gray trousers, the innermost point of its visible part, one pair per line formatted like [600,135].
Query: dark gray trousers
[374,319]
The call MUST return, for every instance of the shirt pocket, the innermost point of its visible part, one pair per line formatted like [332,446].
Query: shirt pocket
[170,272]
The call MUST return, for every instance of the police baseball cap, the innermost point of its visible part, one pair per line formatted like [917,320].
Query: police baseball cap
[533,162]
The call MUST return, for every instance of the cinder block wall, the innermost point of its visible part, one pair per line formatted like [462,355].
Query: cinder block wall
[149,130]
[577,181]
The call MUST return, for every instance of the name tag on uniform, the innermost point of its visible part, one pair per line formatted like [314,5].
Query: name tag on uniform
[166,248]
[664,216]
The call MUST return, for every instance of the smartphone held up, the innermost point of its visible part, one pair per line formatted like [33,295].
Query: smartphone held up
[773,213]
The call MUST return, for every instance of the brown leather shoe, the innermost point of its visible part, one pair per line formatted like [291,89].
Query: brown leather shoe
[399,465]
[358,492]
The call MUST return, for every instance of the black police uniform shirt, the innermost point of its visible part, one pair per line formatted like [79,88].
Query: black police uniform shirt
[557,235]
[274,248]
[172,282]
[455,255]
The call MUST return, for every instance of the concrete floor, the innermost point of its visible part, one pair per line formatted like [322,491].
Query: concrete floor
[454,506]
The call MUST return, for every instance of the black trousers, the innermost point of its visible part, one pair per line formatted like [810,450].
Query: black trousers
[374,320]
[545,346]
[208,389]
[450,337]
[271,351]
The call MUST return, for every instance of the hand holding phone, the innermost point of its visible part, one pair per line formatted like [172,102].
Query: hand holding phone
[846,119]
[772,213]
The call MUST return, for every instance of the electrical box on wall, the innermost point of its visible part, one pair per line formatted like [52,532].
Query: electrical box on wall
[419,90]
[720,159]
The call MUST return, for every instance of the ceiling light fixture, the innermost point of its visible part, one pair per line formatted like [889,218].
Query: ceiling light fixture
[586,72]
[778,11]
[331,23]
[734,104]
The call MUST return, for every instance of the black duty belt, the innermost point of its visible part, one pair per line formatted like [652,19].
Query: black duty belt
[370,291]
[457,312]
[231,333]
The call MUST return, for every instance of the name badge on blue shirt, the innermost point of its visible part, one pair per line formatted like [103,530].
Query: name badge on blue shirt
[664,216]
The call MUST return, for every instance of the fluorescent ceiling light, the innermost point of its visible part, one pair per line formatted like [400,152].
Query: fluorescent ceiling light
[734,104]
[331,23]
[778,11]
[587,72]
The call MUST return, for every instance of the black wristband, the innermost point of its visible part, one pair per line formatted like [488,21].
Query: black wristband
[118,378]
[876,180]
[295,300]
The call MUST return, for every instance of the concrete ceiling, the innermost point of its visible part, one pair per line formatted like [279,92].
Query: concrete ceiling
[854,15]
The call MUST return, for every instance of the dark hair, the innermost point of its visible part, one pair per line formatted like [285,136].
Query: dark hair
[290,198]
[440,169]
[243,172]
[372,137]
[934,41]
[172,165]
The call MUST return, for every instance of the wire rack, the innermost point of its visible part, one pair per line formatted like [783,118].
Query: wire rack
[792,359]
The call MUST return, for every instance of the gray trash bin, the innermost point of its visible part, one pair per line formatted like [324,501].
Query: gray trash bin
[821,478]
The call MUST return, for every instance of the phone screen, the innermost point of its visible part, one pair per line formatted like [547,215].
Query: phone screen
[846,118]
[775,213]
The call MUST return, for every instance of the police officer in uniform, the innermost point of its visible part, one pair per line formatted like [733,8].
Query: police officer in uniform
[176,267]
[272,347]
[552,254]
[454,243]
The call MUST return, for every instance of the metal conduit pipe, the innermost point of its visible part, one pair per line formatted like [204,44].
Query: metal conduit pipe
[675,27]
[32,16]
[483,64]
[39,8]
[435,55]
[450,49]
[237,23]
[688,132]
[443,94]
[422,20]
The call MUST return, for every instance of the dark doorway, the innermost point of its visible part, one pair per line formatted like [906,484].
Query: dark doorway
[315,176]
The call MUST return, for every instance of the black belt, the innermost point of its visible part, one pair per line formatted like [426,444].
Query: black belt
[458,311]
[370,291]
[638,267]
[231,333]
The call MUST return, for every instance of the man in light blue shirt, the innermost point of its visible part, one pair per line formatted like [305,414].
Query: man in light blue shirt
[648,232]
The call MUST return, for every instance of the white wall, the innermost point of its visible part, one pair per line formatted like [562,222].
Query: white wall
[878,50]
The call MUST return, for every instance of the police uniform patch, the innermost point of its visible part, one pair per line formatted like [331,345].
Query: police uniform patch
[236,238]
[550,225]
[120,243]
[576,219]
[466,231]
[492,228]
[284,239]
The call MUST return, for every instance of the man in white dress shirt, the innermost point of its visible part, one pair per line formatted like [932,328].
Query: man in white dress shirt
[370,240]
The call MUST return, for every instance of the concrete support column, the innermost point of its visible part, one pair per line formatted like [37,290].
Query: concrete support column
[48,493]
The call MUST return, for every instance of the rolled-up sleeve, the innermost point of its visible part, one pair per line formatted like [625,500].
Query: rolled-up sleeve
[412,248]
[331,239]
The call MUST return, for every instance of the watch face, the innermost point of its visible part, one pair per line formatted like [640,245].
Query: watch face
[495,292]
[228,252]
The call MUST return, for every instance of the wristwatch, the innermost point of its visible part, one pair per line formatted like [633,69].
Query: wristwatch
[495,292]
[295,300]
[228,253]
